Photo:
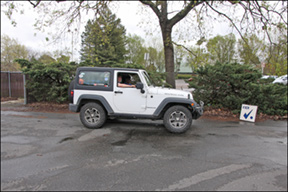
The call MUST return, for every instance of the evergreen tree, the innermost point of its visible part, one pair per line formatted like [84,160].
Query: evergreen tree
[103,41]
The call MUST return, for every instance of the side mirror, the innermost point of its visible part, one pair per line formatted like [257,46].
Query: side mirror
[140,86]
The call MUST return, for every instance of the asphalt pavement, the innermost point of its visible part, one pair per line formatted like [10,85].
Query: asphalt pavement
[54,152]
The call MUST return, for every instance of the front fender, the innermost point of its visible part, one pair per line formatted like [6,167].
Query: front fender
[196,108]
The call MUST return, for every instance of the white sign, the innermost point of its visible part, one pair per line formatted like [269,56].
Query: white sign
[248,112]
[146,56]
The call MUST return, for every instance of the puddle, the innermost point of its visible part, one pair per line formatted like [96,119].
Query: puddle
[94,134]
[123,141]
[23,114]
[30,116]
[18,139]
[120,143]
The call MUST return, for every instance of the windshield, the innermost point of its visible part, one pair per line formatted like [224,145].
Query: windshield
[147,78]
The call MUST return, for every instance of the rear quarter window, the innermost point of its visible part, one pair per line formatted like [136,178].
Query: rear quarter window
[95,80]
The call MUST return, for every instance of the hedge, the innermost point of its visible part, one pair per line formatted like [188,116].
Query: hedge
[231,85]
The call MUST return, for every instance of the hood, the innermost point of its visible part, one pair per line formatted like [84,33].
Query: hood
[169,92]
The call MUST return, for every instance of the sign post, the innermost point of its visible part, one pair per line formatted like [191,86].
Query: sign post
[248,112]
[262,67]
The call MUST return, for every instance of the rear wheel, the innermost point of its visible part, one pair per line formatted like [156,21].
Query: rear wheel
[177,119]
[92,115]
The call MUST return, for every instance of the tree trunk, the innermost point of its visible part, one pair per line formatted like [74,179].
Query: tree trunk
[169,55]
[160,8]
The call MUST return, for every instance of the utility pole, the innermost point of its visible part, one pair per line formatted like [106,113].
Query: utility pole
[262,67]
[146,58]
[72,46]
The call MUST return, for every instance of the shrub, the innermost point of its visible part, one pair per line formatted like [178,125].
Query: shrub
[231,85]
[48,82]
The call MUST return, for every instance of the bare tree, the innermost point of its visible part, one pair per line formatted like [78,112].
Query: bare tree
[248,16]
[254,13]
[11,49]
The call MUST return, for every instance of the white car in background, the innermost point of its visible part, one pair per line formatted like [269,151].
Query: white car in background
[269,76]
[281,80]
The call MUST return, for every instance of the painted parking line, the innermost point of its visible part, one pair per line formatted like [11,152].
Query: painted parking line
[187,182]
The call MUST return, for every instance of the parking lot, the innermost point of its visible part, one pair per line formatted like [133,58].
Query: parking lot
[53,151]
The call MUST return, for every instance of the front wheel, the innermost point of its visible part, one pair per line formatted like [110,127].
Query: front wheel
[177,119]
[92,115]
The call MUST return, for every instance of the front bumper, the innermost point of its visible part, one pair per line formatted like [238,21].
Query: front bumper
[198,110]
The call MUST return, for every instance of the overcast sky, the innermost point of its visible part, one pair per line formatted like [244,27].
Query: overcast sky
[25,33]
[133,17]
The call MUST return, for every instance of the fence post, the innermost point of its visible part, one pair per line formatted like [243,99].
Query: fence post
[24,83]
[9,83]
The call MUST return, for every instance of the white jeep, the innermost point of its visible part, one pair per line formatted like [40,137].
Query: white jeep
[101,93]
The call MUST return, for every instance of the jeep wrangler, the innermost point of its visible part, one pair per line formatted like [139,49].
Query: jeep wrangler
[101,93]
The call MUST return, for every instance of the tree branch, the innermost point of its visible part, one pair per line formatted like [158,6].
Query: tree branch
[184,12]
[185,48]
[153,6]
[220,13]
[259,7]
[34,5]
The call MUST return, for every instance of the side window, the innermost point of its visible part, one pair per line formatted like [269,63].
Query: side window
[94,78]
[127,80]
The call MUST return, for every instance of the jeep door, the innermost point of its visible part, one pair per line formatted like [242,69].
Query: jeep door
[128,99]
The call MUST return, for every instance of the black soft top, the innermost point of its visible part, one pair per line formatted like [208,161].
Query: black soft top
[105,69]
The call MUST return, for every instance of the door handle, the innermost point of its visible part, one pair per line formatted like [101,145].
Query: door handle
[118,92]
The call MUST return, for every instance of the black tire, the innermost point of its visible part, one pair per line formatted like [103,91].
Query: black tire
[71,88]
[92,115]
[177,119]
